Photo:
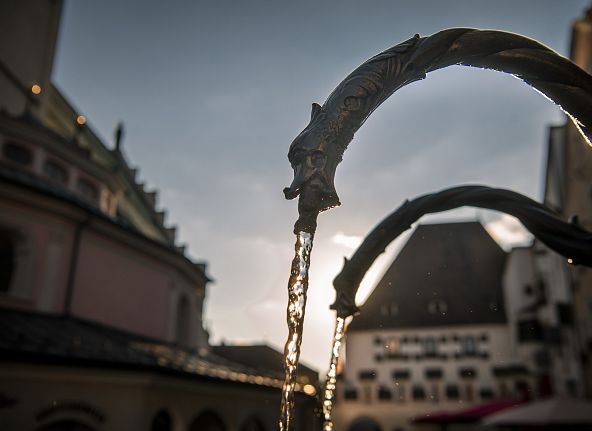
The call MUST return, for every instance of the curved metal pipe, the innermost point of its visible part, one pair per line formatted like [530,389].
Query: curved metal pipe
[318,149]
[567,239]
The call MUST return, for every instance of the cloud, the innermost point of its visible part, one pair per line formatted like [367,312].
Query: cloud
[508,231]
[349,241]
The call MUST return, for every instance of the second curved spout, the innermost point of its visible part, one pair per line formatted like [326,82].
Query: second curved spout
[566,239]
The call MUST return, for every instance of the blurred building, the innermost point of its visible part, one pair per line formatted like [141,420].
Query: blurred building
[552,318]
[433,335]
[568,189]
[100,308]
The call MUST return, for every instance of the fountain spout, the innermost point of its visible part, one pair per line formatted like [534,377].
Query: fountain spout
[318,149]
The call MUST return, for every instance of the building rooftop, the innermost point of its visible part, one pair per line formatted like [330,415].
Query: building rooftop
[262,357]
[63,340]
[446,274]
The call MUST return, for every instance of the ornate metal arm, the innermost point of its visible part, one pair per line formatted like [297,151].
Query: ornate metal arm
[567,239]
[318,149]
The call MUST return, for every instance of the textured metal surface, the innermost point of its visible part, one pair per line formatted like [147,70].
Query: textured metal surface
[567,239]
[318,149]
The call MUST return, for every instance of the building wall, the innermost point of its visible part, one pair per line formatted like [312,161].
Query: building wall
[126,400]
[363,348]
[118,278]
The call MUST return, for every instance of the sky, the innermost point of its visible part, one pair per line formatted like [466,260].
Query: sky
[212,93]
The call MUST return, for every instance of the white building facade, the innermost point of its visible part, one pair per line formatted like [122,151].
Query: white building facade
[433,336]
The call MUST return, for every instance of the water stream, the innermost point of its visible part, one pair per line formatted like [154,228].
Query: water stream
[331,379]
[297,287]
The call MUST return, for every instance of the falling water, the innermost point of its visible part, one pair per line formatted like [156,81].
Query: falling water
[297,287]
[331,379]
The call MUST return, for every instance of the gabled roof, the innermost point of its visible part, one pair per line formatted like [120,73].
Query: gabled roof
[446,274]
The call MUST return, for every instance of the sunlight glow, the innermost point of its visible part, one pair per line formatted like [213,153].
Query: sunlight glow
[349,241]
[508,232]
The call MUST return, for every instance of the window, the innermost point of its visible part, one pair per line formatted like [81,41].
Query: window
[183,321]
[350,394]
[391,309]
[401,374]
[437,306]
[418,392]
[433,373]
[7,261]
[88,190]
[384,393]
[528,290]
[162,421]
[452,392]
[367,375]
[55,172]
[530,330]
[18,154]
[429,346]
[486,394]
[469,345]
[467,373]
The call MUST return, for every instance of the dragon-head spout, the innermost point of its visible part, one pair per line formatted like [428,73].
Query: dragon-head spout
[314,156]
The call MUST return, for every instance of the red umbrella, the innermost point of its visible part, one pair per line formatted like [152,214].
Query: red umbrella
[467,415]
[552,411]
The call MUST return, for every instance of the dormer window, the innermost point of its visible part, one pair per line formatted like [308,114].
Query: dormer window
[55,172]
[437,306]
[17,154]
[391,309]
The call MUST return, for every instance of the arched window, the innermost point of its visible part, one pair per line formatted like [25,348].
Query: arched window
[252,424]
[162,421]
[207,421]
[183,321]
[7,260]
[17,153]
[54,171]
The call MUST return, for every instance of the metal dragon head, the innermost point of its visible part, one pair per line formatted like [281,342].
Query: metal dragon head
[318,149]
[314,156]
